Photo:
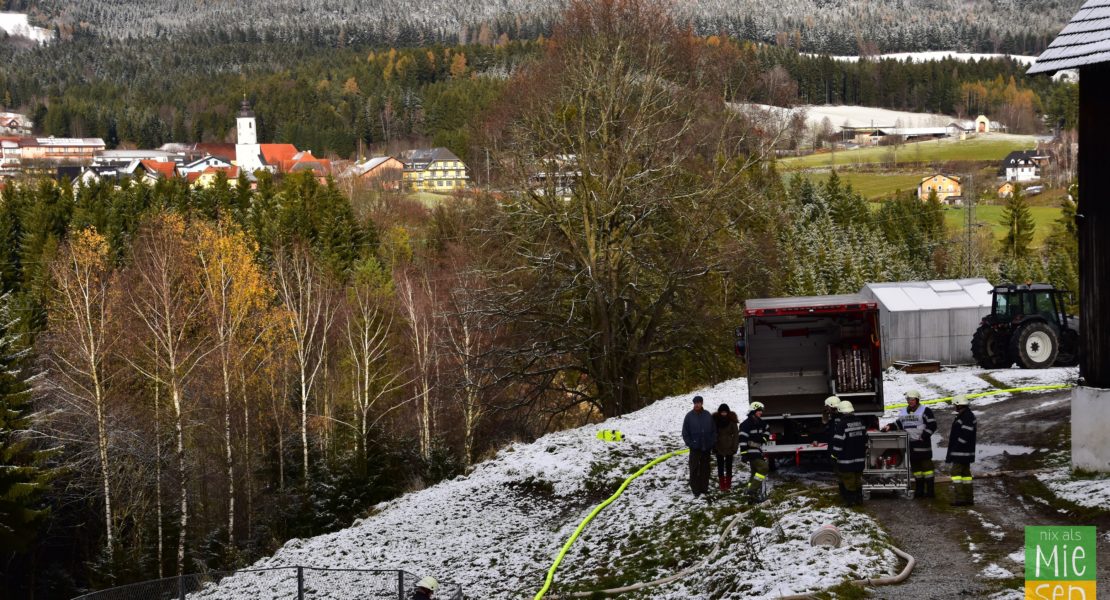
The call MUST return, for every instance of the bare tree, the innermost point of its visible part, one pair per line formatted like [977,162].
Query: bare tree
[368,321]
[610,276]
[165,297]
[80,344]
[306,295]
[418,305]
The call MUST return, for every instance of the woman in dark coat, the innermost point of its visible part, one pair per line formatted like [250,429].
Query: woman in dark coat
[728,442]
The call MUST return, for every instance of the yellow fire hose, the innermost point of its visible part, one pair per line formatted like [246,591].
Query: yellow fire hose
[582,526]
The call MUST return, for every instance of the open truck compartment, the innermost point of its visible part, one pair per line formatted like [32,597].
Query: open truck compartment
[801,350]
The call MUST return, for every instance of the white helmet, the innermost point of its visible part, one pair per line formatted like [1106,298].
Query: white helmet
[428,583]
[914,394]
[832,402]
[846,407]
[960,400]
[756,406]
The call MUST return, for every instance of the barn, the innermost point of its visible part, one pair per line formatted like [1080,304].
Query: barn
[930,320]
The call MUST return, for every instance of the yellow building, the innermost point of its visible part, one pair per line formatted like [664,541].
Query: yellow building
[946,186]
[434,170]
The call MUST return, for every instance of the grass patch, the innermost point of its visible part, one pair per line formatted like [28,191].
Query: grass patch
[873,186]
[1044,217]
[983,148]
[987,377]
[845,590]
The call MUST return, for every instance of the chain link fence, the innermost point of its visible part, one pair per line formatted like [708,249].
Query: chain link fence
[280,583]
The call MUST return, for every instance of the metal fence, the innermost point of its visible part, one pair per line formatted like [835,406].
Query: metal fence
[279,583]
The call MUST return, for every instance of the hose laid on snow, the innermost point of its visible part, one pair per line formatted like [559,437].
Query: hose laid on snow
[1032,388]
[892,580]
[581,526]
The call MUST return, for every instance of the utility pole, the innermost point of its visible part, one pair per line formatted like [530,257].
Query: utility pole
[970,197]
[487,170]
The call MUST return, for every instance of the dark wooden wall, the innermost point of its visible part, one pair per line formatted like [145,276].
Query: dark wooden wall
[1094,224]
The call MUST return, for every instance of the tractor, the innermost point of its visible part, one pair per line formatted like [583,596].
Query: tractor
[1028,325]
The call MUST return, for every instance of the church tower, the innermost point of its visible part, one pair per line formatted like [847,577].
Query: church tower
[248,154]
[248,134]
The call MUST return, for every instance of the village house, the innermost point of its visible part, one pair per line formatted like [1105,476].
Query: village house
[150,172]
[203,163]
[1006,189]
[208,177]
[945,186]
[14,124]
[434,170]
[51,150]
[1022,165]
[384,171]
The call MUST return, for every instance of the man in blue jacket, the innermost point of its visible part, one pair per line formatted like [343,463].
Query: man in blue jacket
[700,434]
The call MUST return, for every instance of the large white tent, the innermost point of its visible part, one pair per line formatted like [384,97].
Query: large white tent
[930,320]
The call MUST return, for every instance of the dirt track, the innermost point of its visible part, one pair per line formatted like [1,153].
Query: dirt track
[956,548]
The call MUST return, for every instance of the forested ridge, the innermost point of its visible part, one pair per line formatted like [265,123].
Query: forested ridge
[830,26]
[143,93]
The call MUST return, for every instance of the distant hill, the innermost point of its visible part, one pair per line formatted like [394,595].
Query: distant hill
[832,26]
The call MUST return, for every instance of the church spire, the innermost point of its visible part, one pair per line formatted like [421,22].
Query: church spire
[245,108]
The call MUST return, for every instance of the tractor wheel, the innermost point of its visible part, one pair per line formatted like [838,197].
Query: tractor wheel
[1035,346]
[989,349]
[1068,356]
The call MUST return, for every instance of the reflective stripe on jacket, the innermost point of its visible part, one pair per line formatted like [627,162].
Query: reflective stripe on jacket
[850,444]
[753,434]
[920,425]
[961,442]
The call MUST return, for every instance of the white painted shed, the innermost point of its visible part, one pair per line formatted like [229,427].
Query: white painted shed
[930,320]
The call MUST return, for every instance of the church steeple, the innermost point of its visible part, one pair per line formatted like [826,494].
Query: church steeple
[245,108]
[245,124]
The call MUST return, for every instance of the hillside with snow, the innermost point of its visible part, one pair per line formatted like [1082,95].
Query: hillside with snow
[17,24]
[829,26]
[497,530]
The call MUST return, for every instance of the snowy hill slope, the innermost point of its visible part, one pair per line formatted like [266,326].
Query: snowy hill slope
[496,531]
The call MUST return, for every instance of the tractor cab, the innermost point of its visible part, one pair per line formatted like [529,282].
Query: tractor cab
[1016,302]
[1029,325]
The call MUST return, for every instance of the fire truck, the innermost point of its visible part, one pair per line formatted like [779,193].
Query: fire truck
[802,350]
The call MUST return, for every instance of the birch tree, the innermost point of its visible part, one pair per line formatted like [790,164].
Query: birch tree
[417,303]
[236,295]
[79,345]
[165,295]
[309,311]
[368,321]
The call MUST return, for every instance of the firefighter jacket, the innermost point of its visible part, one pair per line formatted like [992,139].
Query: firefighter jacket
[961,442]
[698,430]
[753,434]
[850,444]
[920,424]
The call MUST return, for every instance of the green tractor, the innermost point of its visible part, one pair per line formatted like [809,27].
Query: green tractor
[1028,325]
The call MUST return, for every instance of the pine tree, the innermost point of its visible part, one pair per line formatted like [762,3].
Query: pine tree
[22,479]
[1019,227]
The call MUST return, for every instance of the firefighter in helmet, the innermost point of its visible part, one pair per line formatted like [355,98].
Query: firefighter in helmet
[830,416]
[425,589]
[850,447]
[753,434]
[918,421]
[961,452]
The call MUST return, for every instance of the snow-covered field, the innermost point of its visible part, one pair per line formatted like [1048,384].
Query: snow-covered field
[853,116]
[940,55]
[496,531]
[17,24]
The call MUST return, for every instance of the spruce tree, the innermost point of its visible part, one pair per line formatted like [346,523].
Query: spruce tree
[22,479]
[1019,227]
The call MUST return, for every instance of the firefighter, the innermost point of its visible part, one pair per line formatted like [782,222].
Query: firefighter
[918,421]
[425,589]
[850,447]
[753,434]
[830,416]
[961,452]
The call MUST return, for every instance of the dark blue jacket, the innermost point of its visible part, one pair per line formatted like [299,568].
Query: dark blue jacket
[961,442]
[699,431]
[850,444]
